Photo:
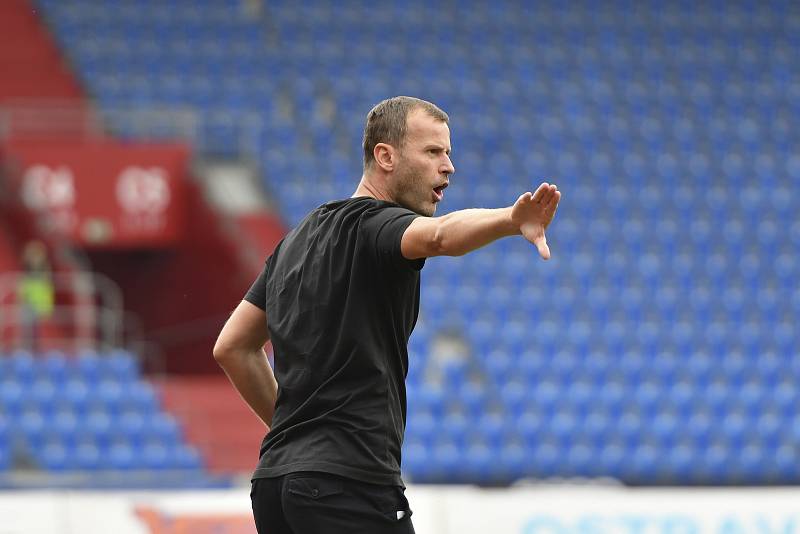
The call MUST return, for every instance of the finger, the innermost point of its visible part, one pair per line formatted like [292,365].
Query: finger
[537,196]
[550,210]
[548,195]
[554,199]
[541,245]
[525,197]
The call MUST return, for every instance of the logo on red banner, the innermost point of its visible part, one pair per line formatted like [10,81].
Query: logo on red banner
[143,190]
[103,193]
[144,196]
[50,191]
[46,188]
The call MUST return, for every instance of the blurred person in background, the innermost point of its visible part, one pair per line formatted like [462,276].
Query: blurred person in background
[339,298]
[35,294]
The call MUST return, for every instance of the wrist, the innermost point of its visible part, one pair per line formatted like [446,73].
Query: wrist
[511,227]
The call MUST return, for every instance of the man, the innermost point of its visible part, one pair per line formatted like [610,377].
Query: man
[36,294]
[339,298]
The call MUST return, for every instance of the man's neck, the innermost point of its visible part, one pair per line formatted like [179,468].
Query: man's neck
[368,188]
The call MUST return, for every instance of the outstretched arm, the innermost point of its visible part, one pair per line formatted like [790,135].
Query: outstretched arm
[463,231]
[240,352]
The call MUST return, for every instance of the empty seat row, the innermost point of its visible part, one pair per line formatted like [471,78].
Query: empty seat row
[658,345]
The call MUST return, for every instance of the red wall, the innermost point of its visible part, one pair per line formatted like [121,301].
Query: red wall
[183,295]
[31,65]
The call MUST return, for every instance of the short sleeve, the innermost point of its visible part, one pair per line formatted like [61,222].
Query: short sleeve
[257,294]
[384,228]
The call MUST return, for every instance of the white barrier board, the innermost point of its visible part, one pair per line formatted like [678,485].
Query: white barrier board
[437,510]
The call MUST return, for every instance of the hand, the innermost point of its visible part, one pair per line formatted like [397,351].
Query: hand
[532,214]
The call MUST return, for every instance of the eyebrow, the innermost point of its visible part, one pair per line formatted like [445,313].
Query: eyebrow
[439,147]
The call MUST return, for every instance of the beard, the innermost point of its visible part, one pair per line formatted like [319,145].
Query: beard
[412,191]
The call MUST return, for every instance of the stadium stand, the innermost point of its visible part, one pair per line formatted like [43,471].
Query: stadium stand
[659,346]
[93,412]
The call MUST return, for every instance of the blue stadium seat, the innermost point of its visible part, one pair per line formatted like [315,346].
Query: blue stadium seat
[415,458]
[87,456]
[12,395]
[121,366]
[44,395]
[164,427]
[76,395]
[156,455]
[65,426]
[478,462]
[5,458]
[22,366]
[140,396]
[89,365]
[421,426]
[55,367]
[474,396]
[54,456]
[130,426]
[121,456]
[109,394]
[186,457]
[99,426]
[661,334]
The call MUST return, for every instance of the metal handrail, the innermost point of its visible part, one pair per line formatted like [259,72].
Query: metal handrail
[45,118]
[32,117]
[49,118]
[97,309]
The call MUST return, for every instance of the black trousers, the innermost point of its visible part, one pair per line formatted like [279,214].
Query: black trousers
[322,503]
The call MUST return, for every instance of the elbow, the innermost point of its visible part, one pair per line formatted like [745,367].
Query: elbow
[440,245]
[223,353]
[437,244]
[457,252]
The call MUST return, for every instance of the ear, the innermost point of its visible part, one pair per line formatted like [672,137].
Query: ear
[384,156]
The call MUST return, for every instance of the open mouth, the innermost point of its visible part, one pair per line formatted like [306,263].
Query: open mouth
[439,192]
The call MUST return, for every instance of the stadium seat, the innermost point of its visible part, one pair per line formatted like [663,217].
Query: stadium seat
[185,457]
[22,367]
[87,456]
[121,456]
[660,335]
[54,456]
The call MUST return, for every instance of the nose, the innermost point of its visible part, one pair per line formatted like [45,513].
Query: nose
[447,167]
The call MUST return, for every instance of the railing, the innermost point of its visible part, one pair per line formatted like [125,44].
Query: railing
[88,313]
[55,118]
[49,118]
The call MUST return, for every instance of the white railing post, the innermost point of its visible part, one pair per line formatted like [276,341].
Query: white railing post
[93,310]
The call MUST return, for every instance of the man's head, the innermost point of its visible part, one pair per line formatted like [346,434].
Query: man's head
[407,145]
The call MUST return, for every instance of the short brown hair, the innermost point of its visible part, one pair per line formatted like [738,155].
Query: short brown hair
[386,122]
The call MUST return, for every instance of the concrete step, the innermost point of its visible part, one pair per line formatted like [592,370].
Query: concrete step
[216,420]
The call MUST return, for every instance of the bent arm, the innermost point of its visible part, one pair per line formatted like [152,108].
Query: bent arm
[456,233]
[463,231]
[239,350]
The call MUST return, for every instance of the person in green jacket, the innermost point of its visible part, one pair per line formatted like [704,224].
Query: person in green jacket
[36,294]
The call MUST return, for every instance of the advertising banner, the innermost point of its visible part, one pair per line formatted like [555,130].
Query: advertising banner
[437,510]
[101,194]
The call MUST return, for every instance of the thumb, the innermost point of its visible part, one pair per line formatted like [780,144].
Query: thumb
[544,250]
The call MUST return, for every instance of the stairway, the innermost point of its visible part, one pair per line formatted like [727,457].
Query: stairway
[216,420]
[30,60]
[9,262]
[8,254]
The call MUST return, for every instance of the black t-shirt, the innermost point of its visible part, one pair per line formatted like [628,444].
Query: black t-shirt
[341,302]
